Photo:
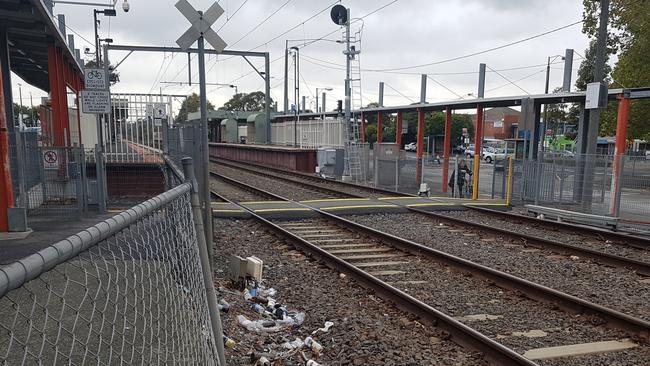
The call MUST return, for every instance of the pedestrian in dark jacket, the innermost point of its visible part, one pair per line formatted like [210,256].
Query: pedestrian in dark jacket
[461,182]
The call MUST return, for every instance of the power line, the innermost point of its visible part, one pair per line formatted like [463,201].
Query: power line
[446,88]
[508,80]
[400,93]
[518,80]
[481,52]
[262,22]
[233,15]
[80,36]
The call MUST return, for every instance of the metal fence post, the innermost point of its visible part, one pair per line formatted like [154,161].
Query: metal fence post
[101,177]
[215,317]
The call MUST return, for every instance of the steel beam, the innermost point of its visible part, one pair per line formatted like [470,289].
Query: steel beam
[446,150]
[420,146]
[398,128]
[478,140]
[619,153]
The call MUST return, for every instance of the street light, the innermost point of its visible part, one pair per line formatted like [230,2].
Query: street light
[549,60]
[234,86]
[317,89]
[107,13]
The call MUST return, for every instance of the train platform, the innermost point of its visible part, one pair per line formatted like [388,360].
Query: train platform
[349,206]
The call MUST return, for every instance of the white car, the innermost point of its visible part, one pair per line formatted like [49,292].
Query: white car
[493,154]
[410,147]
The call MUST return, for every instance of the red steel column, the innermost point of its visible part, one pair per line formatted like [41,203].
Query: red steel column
[420,146]
[398,129]
[619,152]
[446,150]
[380,127]
[478,139]
[6,193]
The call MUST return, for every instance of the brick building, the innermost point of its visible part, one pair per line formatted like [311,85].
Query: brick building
[499,123]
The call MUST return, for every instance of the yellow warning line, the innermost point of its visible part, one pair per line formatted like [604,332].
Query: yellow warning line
[336,200]
[221,203]
[262,202]
[400,198]
[228,210]
[357,206]
[484,204]
[429,204]
[282,209]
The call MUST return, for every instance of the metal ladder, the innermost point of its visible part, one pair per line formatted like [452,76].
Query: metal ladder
[354,146]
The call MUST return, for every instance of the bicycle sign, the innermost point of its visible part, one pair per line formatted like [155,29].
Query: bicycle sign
[95,79]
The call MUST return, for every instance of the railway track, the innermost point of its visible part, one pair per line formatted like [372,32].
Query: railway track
[629,259]
[423,281]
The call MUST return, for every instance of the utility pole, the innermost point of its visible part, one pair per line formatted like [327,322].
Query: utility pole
[348,54]
[286,76]
[296,94]
[594,114]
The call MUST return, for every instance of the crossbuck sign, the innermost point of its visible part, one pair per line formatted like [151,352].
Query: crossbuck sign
[201,23]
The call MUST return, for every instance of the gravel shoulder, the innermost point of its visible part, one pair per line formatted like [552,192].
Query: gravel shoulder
[615,288]
[565,236]
[366,331]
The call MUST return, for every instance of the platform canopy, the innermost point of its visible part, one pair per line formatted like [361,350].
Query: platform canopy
[30,29]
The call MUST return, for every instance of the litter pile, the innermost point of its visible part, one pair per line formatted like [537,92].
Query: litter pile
[267,328]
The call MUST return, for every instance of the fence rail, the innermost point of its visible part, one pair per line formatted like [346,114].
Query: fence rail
[130,289]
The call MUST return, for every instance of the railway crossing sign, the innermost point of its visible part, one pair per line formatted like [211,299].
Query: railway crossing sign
[201,23]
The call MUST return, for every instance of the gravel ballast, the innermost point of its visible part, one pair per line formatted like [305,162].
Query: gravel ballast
[292,191]
[616,288]
[594,242]
[462,295]
[366,331]
[233,193]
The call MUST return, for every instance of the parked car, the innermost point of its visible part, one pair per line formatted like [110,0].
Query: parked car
[647,155]
[469,151]
[491,154]
[410,147]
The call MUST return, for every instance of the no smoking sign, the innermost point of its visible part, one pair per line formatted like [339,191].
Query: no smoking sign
[50,159]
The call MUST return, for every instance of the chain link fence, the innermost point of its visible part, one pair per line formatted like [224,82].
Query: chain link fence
[127,290]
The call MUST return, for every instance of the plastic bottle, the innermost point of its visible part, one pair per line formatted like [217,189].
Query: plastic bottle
[224,306]
[315,346]
[258,308]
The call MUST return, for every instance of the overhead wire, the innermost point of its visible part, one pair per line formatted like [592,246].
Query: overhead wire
[400,93]
[445,87]
[508,80]
[481,52]
[233,14]
[516,81]
[261,23]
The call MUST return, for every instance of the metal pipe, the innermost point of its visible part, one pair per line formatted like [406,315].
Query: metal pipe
[206,261]
[478,140]
[446,150]
[205,164]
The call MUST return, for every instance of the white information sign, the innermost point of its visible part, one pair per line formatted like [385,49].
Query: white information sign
[595,96]
[95,101]
[95,79]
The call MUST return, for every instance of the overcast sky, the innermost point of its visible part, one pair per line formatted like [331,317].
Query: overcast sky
[403,34]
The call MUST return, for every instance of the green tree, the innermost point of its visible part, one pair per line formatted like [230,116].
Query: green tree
[371,133]
[30,115]
[246,102]
[434,125]
[629,38]
[191,104]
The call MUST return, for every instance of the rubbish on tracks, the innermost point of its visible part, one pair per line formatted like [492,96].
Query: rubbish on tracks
[223,305]
[315,346]
[312,363]
[296,344]
[229,342]
[269,292]
[324,329]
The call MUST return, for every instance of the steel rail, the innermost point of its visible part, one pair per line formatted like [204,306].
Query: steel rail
[247,187]
[602,257]
[628,239]
[286,179]
[640,267]
[569,303]
[460,333]
[235,164]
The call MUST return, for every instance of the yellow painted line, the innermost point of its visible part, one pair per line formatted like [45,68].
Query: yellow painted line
[282,209]
[458,198]
[428,204]
[114,210]
[400,198]
[220,203]
[484,204]
[228,211]
[336,200]
[262,202]
[357,206]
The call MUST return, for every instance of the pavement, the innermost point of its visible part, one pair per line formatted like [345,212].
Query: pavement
[46,231]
